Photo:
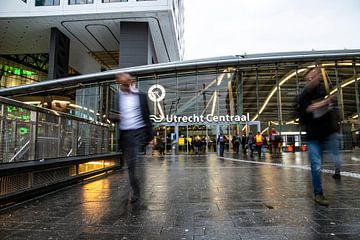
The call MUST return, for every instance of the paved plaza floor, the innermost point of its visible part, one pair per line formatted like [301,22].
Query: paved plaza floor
[198,197]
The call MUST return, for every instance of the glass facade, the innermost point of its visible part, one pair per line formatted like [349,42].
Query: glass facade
[265,92]
[76,2]
[13,74]
[110,1]
[47,2]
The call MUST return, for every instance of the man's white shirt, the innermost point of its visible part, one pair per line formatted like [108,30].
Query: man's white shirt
[130,110]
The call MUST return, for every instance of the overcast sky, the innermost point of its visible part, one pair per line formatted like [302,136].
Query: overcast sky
[230,27]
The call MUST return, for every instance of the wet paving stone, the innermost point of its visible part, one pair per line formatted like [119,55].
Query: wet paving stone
[197,197]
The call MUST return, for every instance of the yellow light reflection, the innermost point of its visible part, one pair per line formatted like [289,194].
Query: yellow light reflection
[95,199]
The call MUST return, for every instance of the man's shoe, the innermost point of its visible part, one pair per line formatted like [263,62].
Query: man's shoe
[321,200]
[134,199]
[337,176]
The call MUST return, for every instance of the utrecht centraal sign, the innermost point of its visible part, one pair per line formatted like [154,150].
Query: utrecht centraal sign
[200,118]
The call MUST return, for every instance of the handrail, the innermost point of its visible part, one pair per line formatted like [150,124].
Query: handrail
[19,104]
[42,144]
[182,65]
[21,149]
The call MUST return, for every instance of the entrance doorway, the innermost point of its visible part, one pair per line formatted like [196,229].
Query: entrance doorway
[200,138]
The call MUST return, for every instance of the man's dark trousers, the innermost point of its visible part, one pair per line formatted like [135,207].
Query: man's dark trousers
[131,142]
[222,148]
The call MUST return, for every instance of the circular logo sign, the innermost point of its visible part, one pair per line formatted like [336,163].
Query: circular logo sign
[156,93]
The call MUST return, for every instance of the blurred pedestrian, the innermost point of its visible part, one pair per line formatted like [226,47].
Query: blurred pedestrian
[197,145]
[251,143]
[243,143]
[160,145]
[236,144]
[259,140]
[275,140]
[134,125]
[321,129]
[203,145]
[221,141]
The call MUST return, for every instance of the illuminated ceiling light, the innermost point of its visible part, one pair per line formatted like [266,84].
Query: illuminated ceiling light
[348,83]
[291,76]
[214,103]
[275,123]
[60,101]
[273,91]
[265,130]
[220,79]
[55,112]
[344,85]
[33,102]
[333,91]
[339,64]
[75,106]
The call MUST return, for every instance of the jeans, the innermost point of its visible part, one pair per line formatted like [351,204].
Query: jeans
[131,141]
[315,151]
[236,148]
[258,149]
[222,148]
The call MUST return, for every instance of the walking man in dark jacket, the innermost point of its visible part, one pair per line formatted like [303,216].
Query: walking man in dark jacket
[221,141]
[134,125]
[321,129]
[243,143]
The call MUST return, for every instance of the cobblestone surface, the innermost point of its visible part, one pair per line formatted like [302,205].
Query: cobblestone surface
[198,197]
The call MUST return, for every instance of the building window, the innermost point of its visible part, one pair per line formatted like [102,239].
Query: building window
[47,3]
[110,1]
[75,2]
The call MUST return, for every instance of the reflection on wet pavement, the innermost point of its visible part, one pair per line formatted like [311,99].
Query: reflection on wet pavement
[198,197]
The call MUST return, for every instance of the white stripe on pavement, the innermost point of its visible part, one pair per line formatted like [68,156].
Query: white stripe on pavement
[304,167]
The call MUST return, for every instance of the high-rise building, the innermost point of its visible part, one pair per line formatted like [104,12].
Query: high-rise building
[50,39]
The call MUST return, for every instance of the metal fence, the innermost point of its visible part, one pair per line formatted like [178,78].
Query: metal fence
[32,133]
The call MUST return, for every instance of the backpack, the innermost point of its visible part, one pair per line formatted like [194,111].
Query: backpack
[275,137]
[278,138]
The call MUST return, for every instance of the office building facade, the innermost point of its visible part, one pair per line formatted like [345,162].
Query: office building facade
[51,39]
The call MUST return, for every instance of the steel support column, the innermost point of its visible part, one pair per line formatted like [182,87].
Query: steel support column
[279,107]
[297,99]
[58,55]
[176,129]
[33,134]
[239,93]
[340,98]
[257,91]
[340,105]
[356,89]
[2,132]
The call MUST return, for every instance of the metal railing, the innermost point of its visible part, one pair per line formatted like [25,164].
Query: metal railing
[32,133]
